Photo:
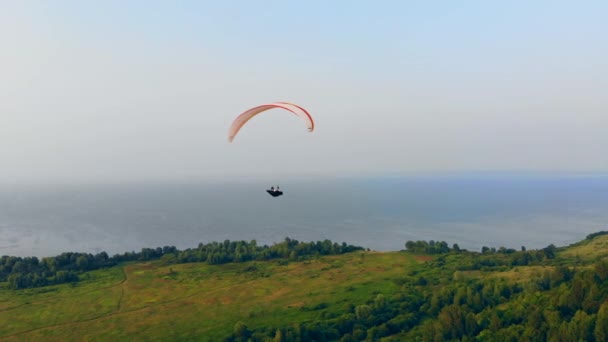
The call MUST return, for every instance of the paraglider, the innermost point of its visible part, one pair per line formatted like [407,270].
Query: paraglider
[273,192]
[242,119]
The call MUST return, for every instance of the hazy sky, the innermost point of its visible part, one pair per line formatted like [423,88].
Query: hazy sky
[144,90]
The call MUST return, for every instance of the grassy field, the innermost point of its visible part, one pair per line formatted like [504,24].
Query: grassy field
[197,301]
[588,250]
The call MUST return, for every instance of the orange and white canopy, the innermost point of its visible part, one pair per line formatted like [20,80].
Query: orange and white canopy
[242,119]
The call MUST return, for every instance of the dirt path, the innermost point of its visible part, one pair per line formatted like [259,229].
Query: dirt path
[122,290]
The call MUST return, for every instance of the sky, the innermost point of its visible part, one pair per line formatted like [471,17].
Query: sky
[146,90]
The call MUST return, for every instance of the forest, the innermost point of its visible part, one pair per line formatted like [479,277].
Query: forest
[452,300]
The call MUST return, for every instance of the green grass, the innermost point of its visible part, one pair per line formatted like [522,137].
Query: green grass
[200,301]
[588,250]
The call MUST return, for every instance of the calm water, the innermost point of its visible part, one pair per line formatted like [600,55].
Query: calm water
[380,214]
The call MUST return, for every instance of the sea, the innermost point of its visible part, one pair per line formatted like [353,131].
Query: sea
[379,213]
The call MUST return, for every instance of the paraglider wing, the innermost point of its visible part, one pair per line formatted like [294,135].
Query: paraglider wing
[242,119]
[310,121]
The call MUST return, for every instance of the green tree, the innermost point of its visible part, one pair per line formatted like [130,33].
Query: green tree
[601,269]
[241,332]
[601,323]
[82,262]
[470,324]
[452,322]
[362,312]
[580,327]
[278,336]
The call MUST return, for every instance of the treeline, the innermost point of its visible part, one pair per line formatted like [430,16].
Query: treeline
[442,302]
[240,251]
[490,256]
[430,247]
[593,235]
[502,259]
[64,268]
[440,247]
[31,272]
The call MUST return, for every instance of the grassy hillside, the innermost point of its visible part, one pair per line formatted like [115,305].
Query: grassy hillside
[189,300]
[273,299]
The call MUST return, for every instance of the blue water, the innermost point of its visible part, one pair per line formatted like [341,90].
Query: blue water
[377,213]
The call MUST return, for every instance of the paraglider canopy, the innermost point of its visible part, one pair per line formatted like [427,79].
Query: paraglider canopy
[242,119]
